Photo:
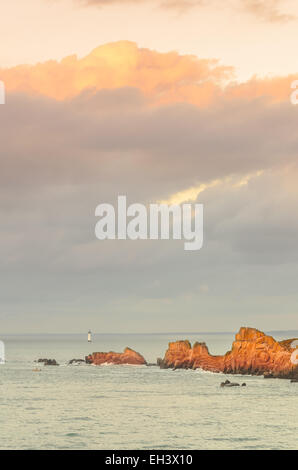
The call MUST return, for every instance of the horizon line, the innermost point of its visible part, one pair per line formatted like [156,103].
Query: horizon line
[143,333]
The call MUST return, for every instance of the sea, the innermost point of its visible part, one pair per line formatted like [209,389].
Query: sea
[137,407]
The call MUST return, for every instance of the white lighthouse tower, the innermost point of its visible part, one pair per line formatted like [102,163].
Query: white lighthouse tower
[89,336]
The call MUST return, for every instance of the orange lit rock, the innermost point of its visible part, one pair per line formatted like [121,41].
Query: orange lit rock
[129,356]
[253,353]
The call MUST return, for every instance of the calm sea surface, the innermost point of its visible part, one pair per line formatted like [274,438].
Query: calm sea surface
[131,407]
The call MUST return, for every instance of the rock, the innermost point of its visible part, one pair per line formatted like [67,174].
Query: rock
[129,356]
[161,363]
[294,381]
[269,375]
[76,361]
[243,385]
[227,383]
[224,384]
[48,362]
[252,353]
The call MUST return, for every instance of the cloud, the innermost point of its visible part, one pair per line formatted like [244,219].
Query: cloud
[62,157]
[71,156]
[161,78]
[191,194]
[265,10]
[175,4]
[184,146]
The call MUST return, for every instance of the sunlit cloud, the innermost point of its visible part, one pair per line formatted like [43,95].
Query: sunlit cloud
[162,78]
[191,194]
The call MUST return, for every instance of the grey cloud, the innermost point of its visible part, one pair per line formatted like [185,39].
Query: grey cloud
[155,151]
[59,160]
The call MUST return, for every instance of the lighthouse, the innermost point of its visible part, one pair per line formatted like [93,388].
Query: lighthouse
[89,337]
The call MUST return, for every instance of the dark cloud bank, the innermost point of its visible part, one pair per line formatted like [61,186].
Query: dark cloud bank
[59,160]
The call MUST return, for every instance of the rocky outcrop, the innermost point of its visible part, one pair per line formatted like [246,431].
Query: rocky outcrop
[252,353]
[129,356]
[48,362]
[227,383]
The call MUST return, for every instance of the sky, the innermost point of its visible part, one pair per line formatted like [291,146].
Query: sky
[159,100]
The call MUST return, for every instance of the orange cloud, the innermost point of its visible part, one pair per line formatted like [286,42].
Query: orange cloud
[277,89]
[162,77]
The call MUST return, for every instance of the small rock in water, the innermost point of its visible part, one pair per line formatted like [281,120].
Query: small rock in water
[48,362]
[227,383]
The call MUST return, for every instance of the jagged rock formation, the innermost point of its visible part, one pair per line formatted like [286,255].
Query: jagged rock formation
[252,353]
[129,356]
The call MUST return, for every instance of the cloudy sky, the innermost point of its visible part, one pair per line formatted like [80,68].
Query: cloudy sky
[173,100]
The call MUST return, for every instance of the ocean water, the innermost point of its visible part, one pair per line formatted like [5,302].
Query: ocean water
[131,407]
